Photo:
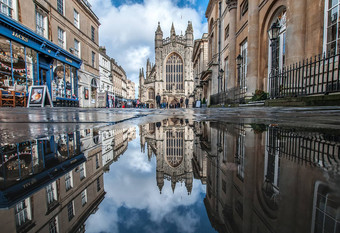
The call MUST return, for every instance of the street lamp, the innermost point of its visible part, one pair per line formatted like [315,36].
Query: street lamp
[239,60]
[221,71]
[273,35]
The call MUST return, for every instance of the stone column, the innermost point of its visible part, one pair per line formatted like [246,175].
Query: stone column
[296,30]
[232,7]
[252,56]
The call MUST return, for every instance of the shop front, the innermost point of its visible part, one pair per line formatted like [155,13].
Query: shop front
[27,59]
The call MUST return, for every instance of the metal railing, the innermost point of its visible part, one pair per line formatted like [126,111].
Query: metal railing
[318,75]
[231,96]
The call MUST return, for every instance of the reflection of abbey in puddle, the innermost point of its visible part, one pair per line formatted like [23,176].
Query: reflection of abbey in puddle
[269,178]
[53,184]
[171,141]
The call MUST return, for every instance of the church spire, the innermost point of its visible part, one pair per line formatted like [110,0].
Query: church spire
[158,36]
[159,30]
[148,68]
[172,32]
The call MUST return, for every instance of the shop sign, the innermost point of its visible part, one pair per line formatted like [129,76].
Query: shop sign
[39,96]
[21,37]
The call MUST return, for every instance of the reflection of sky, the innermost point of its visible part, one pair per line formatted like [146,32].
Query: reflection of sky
[133,202]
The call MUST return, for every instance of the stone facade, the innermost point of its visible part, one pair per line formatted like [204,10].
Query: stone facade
[119,81]
[172,74]
[130,90]
[200,62]
[173,162]
[106,79]
[241,28]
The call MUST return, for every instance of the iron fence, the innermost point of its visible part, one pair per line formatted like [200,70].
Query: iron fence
[231,96]
[316,149]
[318,75]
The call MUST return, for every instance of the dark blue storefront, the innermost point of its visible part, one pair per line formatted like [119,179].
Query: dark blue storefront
[28,59]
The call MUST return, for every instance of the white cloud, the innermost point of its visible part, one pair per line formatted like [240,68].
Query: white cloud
[128,31]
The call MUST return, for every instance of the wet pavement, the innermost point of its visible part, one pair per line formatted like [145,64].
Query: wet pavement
[176,170]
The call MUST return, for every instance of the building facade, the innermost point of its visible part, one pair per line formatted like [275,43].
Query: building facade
[106,80]
[251,40]
[172,75]
[202,84]
[118,74]
[130,90]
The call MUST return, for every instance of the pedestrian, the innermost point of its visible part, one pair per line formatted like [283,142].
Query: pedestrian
[187,102]
[181,105]
[158,100]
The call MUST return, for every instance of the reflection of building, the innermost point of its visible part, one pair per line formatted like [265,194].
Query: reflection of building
[61,194]
[171,141]
[172,75]
[271,179]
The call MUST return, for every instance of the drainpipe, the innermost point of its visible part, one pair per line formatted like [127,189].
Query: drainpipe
[219,46]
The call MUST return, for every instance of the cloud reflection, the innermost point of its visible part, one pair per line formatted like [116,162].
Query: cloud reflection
[131,184]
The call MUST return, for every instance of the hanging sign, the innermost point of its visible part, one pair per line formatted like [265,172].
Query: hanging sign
[39,96]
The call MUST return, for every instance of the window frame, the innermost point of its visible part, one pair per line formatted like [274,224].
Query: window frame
[76,48]
[70,210]
[93,59]
[76,18]
[6,6]
[93,33]
[327,26]
[61,41]
[60,6]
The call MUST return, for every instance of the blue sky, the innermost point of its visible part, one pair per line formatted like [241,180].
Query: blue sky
[128,27]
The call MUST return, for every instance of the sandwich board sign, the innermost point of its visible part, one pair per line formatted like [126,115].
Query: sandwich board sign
[39,96]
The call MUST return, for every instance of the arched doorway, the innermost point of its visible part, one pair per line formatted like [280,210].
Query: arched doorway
[94,88]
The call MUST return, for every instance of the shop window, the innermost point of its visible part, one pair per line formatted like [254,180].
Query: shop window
[6,7]
[41,23]
[76,48]
[94,89]
[60,6]
[58,85]
[68,84]
[53,225]
[61,38]
[92,33]
[76,18]
[70,210]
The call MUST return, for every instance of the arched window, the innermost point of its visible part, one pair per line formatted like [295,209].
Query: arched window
[174,73]
[94,89]
[277,47]
[174,147]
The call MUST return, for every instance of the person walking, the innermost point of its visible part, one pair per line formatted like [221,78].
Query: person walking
[158,100]
[187,102]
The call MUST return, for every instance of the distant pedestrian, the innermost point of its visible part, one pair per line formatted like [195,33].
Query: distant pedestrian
[187,102]
[158,100]
[181,102]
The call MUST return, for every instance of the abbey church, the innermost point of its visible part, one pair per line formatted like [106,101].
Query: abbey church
[172,74]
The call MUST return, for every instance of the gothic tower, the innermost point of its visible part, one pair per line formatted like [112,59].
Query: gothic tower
[172,74]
